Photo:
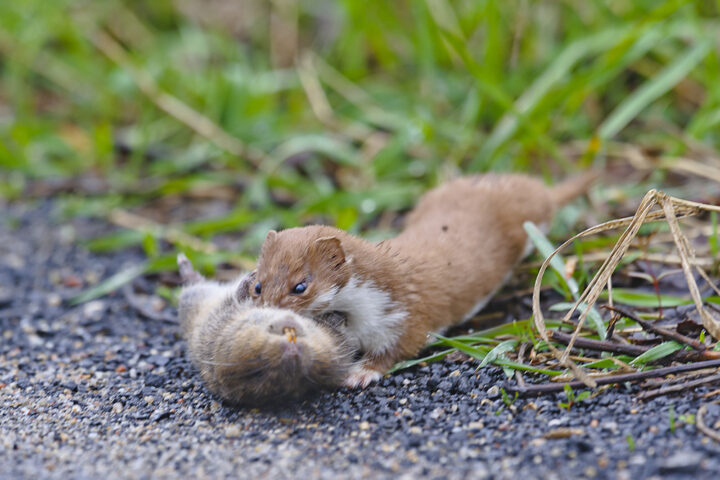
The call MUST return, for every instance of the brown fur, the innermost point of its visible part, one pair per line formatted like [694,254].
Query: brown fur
[459,244]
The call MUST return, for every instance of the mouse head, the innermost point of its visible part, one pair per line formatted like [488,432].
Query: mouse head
[301,269]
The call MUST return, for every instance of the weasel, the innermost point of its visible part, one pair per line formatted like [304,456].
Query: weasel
[458,247]
[255,355]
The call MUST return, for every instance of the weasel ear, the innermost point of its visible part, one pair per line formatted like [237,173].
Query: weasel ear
[269,241]
[330,249]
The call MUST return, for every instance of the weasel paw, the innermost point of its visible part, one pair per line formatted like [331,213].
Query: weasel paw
[361,377]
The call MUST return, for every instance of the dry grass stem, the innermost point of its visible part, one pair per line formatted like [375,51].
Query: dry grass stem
[317,99]
[687,165]
[125,219]
[598,257]
[320,105]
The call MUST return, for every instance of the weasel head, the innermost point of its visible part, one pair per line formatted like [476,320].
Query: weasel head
[301,269]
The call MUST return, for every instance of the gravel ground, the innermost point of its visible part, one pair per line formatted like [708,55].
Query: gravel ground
[98,391]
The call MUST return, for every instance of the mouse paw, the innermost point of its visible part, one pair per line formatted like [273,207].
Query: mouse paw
[361,377]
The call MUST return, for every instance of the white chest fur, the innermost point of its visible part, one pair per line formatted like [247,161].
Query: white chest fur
[374,319]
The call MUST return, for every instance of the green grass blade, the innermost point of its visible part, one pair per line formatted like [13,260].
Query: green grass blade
[638,298]
[339,151]
[557,71]
[561,307]
[470,339]
[481,353]
[115,241]
[657,352]
[498,351]
[525,368]
[663,81]
[515,328]
[518,328]
[430,358]
[478,352]
[538,238]
[604,363]
[111,284]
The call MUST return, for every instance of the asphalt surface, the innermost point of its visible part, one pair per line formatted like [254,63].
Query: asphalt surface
[99,391]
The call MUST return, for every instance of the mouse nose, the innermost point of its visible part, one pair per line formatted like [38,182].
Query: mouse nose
[286,326]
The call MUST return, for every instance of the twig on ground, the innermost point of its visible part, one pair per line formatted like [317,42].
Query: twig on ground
[137,305]
[700,424]
[598,345]
[658,330]
[711,394]
[679,387]
[605,346]
[541,388]
[652,383]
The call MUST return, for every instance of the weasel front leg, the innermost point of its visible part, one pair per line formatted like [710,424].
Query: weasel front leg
[371,368]
[368,370]
[361,376]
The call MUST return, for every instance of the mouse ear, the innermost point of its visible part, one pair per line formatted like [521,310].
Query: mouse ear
[329,248]
[243,289]
[187,273]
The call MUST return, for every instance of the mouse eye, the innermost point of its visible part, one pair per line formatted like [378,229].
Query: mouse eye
[299,288]
[258,288]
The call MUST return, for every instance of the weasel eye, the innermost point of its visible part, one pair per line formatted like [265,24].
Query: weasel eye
[258,288]
[299,288]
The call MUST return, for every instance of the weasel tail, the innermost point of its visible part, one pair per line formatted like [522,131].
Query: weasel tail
[567,190]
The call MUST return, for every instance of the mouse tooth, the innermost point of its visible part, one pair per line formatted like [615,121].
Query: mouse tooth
[290,334]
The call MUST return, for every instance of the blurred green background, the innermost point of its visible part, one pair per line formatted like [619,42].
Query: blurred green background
[279,113]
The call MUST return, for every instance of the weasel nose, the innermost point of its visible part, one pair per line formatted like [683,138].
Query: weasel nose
[286,326]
